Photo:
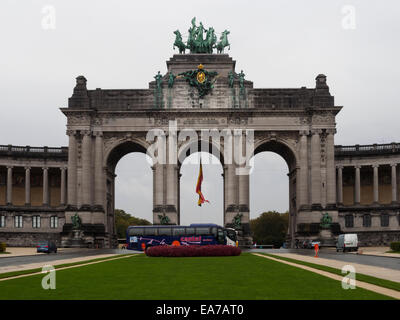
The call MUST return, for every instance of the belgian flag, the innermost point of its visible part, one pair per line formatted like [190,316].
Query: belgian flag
[198,186]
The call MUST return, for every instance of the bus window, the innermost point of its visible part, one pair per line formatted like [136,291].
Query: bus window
[178,231]
[202,231]
[214,231]
[135,231]
[221,237]
[164,231]
[189,231]
[150,231]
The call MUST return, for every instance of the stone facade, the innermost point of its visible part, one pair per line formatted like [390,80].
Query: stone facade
[104,125]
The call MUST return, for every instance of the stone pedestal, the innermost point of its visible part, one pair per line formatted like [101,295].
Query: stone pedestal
[326,237]
[77,239]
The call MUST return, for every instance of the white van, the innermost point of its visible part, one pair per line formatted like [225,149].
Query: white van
[347,242]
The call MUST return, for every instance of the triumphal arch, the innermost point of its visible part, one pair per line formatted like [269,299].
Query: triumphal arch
[200,91]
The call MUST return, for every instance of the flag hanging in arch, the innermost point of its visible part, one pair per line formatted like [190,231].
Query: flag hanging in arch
[198,186]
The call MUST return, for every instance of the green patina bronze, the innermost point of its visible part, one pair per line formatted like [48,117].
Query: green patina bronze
[164,219]
[237,221]
[171,80]
[158,96]
[326,221]
[223,42]
[201,79]
[198,43]
[76,221]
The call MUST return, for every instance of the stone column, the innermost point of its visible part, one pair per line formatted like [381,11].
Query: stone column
[357,185]
[86,169]
[27,186]
[376,183]
[244,191]
[158,185]
[63,195]
[172,184]
[394,183]
[9,185]
[230,184]
[45,186]
[330,168]
[72,169]
[340,185]
[316,168]
[302,181]
[99,179]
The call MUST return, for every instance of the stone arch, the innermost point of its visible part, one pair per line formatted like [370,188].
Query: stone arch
[116,149]
[206,147]
[202,146]
[280,146]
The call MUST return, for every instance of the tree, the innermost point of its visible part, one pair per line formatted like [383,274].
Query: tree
[123,220]
[270,228]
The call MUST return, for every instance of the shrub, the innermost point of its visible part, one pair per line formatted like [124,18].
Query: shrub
[2,247]
[192,251]
[395,246]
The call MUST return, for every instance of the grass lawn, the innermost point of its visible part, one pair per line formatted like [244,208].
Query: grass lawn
[141,277]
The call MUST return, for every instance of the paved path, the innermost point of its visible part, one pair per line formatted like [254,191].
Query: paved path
[69,267]
[17,263]
[374,271]
[387,292]
[328,253]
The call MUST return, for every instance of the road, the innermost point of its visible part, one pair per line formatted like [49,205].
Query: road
[60,255]
[328,253]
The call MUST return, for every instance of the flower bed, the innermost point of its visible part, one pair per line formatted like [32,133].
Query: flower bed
[192,251]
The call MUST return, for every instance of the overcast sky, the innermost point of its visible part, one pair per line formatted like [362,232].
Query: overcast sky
[122,44]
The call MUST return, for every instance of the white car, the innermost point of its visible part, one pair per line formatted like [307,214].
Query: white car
[347,242]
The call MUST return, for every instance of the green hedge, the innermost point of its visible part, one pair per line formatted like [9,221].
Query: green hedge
[395,246]
[2,247]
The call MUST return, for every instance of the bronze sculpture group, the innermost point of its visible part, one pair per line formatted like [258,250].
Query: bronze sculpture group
[196,42]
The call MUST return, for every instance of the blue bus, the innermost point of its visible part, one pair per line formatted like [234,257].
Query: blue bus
[143,237]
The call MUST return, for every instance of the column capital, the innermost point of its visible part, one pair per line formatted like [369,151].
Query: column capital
[27,168]
[316,131]
[86,132]
[63,168]
[304,132]
[45,168]
[98,134]
[10,167]
[357,166]
[71,132]
[340,166]
[375,166]
[393,164]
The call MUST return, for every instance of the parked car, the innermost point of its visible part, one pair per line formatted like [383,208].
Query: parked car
[306,244]
[46,247]
[347,242]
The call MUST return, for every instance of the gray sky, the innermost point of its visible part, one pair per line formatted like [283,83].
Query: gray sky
[122,44]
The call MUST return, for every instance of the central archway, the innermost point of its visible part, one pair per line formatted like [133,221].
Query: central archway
[212,188]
